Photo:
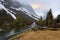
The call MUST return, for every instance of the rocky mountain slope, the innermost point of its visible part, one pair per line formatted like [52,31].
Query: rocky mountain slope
[15,8]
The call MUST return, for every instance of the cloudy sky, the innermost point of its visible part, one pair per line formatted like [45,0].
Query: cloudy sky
[40,6]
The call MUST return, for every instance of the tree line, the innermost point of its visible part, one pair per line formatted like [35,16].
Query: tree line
[21,22]
[49,21]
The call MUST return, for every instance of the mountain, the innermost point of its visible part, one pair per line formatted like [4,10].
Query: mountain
[4,17]
[30,9]
[15,8]
[43,13]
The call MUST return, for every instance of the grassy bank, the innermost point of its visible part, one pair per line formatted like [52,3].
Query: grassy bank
[38,35]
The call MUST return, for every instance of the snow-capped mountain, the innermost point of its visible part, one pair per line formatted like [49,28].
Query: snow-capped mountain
[4,17]
[15,8]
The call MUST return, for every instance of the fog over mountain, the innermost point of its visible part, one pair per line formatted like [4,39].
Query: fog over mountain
[15,8]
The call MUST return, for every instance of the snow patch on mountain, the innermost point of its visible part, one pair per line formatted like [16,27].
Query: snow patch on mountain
[8,5]
[2,7]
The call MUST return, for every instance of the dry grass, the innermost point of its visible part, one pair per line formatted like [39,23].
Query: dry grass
[41,35]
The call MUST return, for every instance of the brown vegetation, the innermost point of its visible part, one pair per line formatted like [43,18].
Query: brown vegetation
[56,25]
[40,35]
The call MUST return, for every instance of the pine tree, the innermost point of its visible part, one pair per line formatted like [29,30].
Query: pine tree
[40,22]
[49,17]
[58,18]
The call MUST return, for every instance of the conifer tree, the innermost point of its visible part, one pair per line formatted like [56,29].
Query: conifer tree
[58,18]
[49,17]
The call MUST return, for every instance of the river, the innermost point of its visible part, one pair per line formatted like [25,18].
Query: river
[8,34]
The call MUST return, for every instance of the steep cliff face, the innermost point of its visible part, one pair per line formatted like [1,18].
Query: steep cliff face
[4,17]
[13,8]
